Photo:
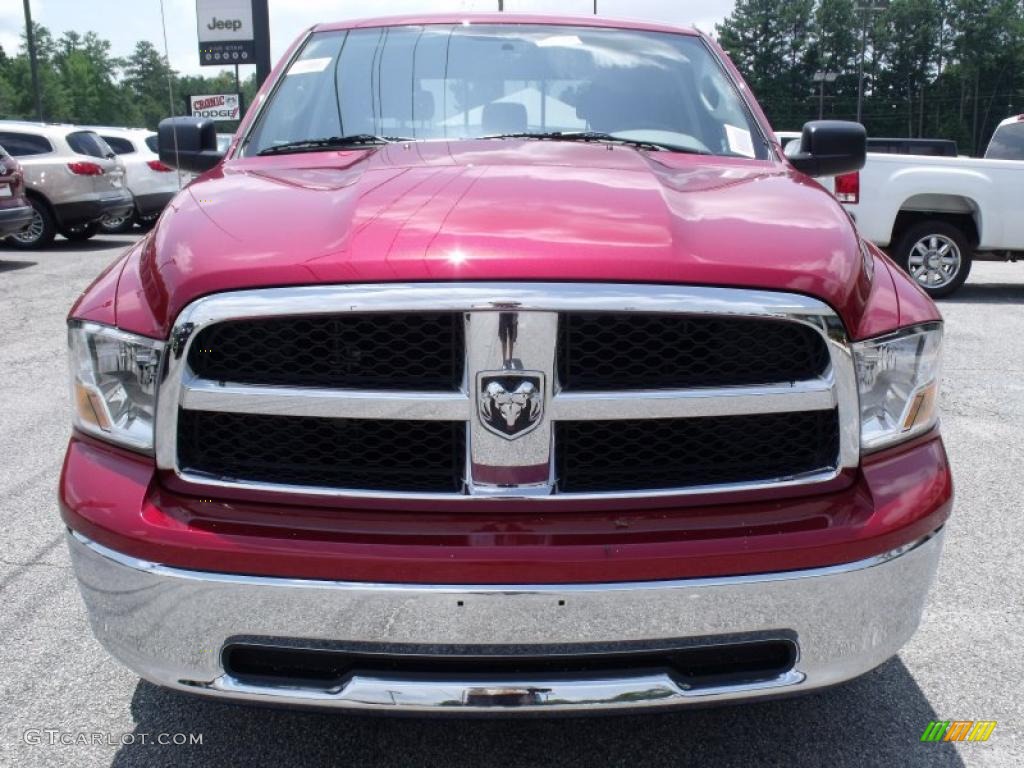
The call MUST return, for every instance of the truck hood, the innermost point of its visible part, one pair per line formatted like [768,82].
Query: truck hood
[495,210]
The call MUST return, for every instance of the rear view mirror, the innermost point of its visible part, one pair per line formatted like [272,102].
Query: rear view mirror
[830,147]
[188,143]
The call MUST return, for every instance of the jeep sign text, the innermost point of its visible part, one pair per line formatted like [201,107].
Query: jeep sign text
[233,24]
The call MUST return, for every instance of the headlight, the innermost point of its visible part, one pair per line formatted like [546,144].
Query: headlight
[898,379]
[113,383]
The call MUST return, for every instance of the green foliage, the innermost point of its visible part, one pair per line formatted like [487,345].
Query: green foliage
[81,82]
[937,68]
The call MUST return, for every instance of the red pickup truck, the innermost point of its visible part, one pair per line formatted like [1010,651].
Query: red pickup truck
[504,364]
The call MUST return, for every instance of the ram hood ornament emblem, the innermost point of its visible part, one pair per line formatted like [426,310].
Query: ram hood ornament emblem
[510,403]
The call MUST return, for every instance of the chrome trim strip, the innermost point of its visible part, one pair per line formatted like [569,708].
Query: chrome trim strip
[534,304]
[687,403]
[539,493]
[530,695]
[170,624]
[204,395]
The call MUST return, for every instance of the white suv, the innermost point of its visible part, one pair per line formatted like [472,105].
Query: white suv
[72,180]
[151,183]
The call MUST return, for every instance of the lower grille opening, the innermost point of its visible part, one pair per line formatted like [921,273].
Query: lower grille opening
[644,454]
[692,667]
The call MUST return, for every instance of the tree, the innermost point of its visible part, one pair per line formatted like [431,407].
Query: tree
[147,75]
[940,68]
[89,75]
[762,49]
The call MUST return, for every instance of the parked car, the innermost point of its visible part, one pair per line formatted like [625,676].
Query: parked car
[575,394]
[151,182]
[72,179]
[15,212]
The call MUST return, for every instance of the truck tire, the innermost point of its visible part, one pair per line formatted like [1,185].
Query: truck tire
[937,255]
[40,231]
[81,232]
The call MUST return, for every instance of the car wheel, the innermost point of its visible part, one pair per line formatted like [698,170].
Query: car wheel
[937,255]
[40,231]
[117,225]
[80,232]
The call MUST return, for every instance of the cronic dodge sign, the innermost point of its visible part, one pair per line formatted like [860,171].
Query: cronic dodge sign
[225,32]
[216,106]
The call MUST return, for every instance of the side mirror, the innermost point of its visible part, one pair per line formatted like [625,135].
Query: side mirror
[188,143]
[830,147]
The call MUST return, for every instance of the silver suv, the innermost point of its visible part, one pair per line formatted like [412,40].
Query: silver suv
[72,180]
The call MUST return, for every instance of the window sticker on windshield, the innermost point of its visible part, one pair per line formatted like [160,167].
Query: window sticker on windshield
[739,140]
[309,65]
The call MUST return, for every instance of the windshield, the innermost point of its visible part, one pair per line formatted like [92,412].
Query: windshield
[468,81]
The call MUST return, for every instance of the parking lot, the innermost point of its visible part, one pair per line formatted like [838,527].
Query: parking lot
[963,664]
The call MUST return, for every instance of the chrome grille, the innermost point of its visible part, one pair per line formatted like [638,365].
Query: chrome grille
[542,402]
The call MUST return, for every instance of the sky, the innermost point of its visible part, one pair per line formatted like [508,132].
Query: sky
[124,23]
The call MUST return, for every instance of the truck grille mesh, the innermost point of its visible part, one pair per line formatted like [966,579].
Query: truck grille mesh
[601,351]
[414,351]
[414,456]
[670,453]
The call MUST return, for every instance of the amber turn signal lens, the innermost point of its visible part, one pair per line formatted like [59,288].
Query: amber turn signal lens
[922,408]
[89,406]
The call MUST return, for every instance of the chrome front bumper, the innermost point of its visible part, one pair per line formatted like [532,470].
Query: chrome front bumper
[171,625]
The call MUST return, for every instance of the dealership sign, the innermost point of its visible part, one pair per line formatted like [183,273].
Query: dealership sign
[216,106]
[225,32]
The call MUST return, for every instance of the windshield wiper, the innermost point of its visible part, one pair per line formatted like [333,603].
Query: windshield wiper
[331,142]
[596,136]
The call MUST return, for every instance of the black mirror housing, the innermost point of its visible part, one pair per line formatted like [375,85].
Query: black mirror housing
[188,143]
[830,147]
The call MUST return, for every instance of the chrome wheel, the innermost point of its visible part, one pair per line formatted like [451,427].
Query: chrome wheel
[934,261]
[33,232]
[112,222]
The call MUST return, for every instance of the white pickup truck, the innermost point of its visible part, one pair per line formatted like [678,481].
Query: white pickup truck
[935,215]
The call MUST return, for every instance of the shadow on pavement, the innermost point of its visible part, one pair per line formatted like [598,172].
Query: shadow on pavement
[7,265]
[987,293]
[876,720]
[93,244]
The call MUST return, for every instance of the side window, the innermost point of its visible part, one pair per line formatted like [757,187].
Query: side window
[87,143]
[119,145]
[153,142]
[23,144]
[1007,143]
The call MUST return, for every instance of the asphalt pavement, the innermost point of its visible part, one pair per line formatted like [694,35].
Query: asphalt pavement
[64,702]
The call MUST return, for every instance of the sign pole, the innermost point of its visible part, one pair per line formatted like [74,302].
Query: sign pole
[30,38]
[261,39]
